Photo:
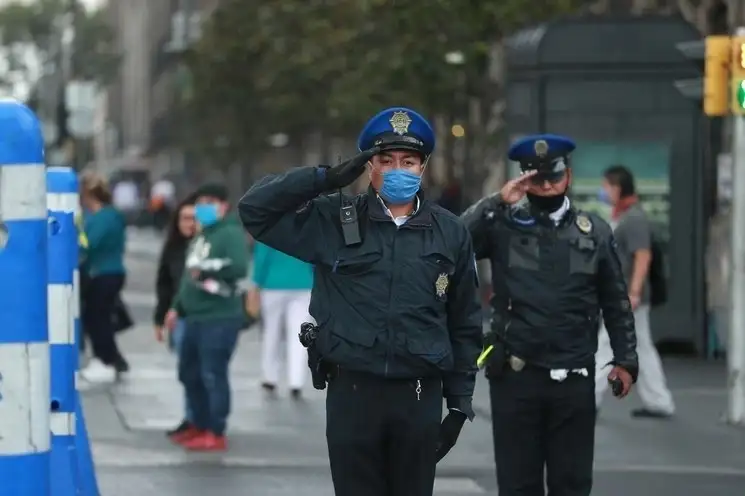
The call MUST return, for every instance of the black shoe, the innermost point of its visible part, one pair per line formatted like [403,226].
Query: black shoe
[652,414]
[121,366]
[183,426]
[296,394]
[269,389]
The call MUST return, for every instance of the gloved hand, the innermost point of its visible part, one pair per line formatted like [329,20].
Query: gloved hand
[346,173]
[622,377]
[449,432]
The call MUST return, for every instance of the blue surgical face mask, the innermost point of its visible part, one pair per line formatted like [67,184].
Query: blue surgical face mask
[399,186]
[206,214]
[603,196]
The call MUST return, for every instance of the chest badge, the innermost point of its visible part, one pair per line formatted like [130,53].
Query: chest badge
[441,285]
[584,224]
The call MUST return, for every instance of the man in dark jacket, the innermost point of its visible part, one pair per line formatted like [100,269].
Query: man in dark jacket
[395,300]
[554,270]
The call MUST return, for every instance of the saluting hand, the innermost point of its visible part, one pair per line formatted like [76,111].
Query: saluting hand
[346,173]
[514,190]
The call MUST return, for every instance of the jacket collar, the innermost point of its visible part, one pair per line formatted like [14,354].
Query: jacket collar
[422,216]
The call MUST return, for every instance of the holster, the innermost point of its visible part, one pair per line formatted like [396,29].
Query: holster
[318,372]
[497,363]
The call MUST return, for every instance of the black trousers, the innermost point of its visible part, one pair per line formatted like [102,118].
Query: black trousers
[542,424]
[101,294]
[382,435]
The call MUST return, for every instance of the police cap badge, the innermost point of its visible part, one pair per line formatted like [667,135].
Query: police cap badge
[441,285]
[584,224]
[541,148]
[400,122]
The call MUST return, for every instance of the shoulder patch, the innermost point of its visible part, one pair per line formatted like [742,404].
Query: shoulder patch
[520,215]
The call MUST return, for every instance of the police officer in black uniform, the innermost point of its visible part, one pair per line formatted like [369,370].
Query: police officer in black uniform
[554,271]
[395,300]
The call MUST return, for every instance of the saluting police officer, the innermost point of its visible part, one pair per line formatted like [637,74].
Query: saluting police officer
[554,271]
[395,300]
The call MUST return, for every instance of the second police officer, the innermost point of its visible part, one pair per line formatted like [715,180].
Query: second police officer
[554,272]
[395,300]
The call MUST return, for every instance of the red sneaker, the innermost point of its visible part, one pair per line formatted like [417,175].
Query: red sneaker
[185,435]
[206,441]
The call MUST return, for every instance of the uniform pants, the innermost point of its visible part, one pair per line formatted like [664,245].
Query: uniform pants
[382,437]
[543,426]
[651,383]
[283,311]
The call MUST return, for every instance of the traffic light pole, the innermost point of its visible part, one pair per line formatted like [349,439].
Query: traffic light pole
[736,341]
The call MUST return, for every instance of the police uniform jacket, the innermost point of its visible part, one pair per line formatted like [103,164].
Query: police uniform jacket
[551,282]
[402,304]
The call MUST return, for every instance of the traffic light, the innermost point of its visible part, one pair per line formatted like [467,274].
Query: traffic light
[716,69]
[737,96]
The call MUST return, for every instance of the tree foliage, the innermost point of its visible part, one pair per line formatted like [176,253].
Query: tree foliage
[36,24]
[265,66]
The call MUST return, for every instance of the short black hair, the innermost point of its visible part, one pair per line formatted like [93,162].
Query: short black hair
[621,176]
[212,190]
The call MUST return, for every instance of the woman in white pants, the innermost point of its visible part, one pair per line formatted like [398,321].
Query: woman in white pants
[285,284]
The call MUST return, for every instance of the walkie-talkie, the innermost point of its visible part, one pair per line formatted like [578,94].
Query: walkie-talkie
[350,226]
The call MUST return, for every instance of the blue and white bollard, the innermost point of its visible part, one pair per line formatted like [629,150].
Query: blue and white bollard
[62,204]
[24,346]
[73,472]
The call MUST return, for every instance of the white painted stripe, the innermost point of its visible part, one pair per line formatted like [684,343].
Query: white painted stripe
[75,297]
[24,402]
[23,191]
[62,424]
[60,321]
[63,202]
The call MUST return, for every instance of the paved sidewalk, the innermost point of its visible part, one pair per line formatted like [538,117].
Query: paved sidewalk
[278,446]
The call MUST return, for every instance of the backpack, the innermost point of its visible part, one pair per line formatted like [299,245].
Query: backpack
[657,274]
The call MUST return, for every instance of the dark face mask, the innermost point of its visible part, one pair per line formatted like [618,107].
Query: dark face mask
[546,204]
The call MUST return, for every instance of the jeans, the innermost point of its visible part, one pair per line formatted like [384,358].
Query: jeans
[175,340]
[206,349]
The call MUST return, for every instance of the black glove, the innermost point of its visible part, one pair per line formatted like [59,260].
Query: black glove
[346,173]
[449,432]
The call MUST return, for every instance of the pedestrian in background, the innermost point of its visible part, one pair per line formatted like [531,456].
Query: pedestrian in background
[211,303]
[284,283]
[105,230]
[633,233]
[181,230]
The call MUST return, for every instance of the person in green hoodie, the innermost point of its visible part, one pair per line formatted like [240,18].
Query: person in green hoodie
[285,284]
[103,258]
[211,304]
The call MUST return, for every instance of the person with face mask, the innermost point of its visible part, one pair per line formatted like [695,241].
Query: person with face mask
[554,270]
[210,304]
[395,299]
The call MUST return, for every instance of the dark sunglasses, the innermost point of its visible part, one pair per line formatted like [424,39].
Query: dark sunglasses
[551,177]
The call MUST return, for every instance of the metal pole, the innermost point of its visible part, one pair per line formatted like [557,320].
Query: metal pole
[736,341]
